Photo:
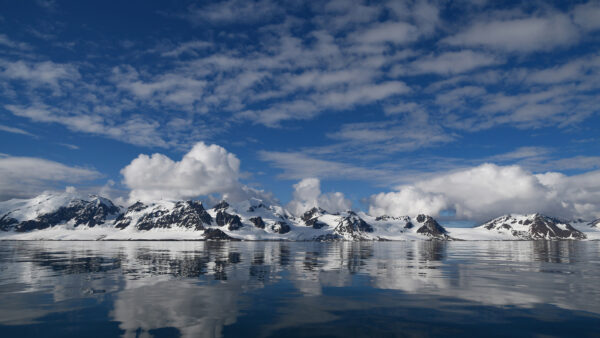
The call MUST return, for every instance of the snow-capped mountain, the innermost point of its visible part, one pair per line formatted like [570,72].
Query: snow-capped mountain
[533,226]
[71,216]
[595,223]
[49,210]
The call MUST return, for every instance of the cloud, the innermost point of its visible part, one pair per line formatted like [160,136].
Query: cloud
[409,201]
[298,165]
[190,47]
[307,195]
[136,130]
[587,15]
[6,41]
[453,62]
[393,32]
[489,190]
[233,11]
[14,130]
[23,177]
[204,170]
[46,73]
[519,35]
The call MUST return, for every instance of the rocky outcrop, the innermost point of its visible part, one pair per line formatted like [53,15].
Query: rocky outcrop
[77,212]
[217,235]
[280,227]
[184,214]
[258,222]
[233,222]
[352,227]
[429,227]
[311,218]
[535,226]
[595,223]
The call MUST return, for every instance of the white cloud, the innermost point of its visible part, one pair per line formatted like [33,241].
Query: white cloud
[39,73]
[190,47]
[394,32]
[588,15]
[307,195]
[22,177]
[519,35]
[136,130]
[6,41]
[204,170]
[14,130]
[453,62]
[298,166]
[409,201]
[233,11]
[488,191]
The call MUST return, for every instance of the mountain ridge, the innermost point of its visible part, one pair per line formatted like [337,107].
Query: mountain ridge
[64,215]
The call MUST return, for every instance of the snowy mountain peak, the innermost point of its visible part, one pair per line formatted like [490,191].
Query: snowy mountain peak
[533,226]
[165,214]
[51,209]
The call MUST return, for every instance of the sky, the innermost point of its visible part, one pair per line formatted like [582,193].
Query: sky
[465,110]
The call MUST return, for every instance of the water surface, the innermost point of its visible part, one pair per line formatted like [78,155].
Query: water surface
[270,289]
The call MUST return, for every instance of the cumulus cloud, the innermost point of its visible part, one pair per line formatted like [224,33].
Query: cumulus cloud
[204,170]
[307,195]
[488,191]
[23,177]
[407,201]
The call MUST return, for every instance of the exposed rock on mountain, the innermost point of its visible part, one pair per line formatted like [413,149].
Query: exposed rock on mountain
[595,223]
[430,227]
[47,211]
[351,227]
[258,222]
[184,214]
[233,222]
[311,218]
[56,216]
[212,234]
[534,226]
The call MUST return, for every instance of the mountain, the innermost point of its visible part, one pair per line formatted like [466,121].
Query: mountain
[595,223]
[533,226]
[50,210]
[58,215]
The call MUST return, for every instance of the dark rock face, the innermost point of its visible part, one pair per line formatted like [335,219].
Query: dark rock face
[546,227]
[255,207]
[258,222]
[187,214]
[233,222]
[595,223]
[7,223]
[79,212]
[539,227]
[353,227]
[280,227]
[221,205]
[430,227]
[217,235]
[311,218]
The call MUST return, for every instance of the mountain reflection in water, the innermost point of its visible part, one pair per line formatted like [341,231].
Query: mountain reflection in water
[215,289]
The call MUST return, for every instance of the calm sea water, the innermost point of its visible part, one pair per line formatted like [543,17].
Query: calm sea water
[270,289]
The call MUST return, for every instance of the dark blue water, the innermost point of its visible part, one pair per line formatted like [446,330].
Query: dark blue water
[275,289]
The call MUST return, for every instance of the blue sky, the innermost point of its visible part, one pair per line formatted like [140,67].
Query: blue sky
[371,98]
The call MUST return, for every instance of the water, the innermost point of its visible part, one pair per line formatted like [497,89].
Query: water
[268,289]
